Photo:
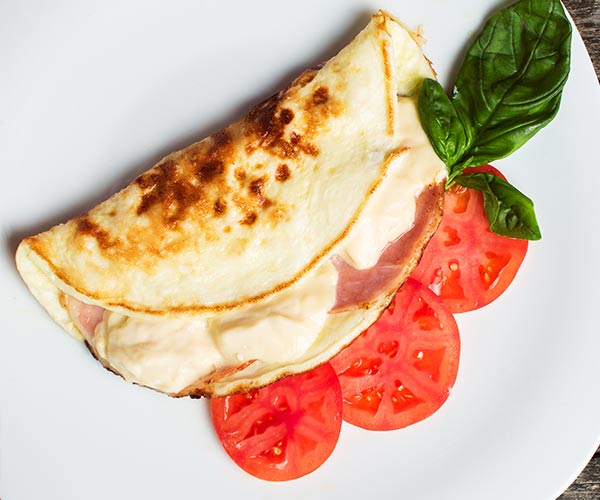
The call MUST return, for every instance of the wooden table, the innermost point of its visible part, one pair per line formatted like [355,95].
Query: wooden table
[586,14]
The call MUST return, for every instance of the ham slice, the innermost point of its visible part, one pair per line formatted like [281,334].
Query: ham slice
[360,287]
[85,316]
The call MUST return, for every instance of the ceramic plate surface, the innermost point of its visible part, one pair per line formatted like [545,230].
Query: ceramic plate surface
[92,93]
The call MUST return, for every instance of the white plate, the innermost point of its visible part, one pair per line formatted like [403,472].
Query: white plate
[93,93]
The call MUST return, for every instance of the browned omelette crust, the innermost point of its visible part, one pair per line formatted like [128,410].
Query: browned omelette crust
[189,192]
[222,187]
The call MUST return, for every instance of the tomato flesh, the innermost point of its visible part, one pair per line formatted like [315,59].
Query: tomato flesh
[401,369]
[285,430]
[465,263]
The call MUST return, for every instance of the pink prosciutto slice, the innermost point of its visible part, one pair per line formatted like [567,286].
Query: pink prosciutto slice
[85,316]
[360,287]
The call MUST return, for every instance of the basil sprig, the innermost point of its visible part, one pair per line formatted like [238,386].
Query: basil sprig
[508,88]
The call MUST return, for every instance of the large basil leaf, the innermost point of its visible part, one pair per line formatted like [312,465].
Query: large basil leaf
[509,85]
[441,122]
[509,212]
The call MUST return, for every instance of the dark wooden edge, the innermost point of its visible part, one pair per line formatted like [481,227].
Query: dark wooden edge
[586,14]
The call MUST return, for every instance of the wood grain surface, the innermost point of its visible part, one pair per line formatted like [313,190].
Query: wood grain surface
[586,14]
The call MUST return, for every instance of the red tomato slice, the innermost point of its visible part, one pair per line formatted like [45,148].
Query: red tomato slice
[401,369]
[285,430]
[465,263]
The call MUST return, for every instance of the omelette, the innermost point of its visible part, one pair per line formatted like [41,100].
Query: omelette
[262,250]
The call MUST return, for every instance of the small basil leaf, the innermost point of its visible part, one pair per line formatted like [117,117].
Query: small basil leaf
[509,85]
[509,212]
[440,122]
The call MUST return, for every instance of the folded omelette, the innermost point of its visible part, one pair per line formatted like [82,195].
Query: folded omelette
[264,249]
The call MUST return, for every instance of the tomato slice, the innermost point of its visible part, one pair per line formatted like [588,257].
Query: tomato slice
[465,263]
[401,369]
[285,430]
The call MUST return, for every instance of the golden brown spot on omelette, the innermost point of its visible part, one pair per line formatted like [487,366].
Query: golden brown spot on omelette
[256,190]
[219,207]
[319,107]
[165,189]
[227,229]
[154,183]
[249,218]
[271,123]
[282,173]
[286,116]
[390,94]
[240,174]
[87,227]
[310,149]
[180,197]
[210,170]
[298,144]
[320,95]
[268,122]
[256,186]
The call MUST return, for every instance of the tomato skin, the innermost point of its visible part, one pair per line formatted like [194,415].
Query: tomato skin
[285,430]
[465,263]
[401,369]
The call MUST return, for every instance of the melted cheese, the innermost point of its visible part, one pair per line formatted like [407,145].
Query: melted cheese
[170,354]
[391,209]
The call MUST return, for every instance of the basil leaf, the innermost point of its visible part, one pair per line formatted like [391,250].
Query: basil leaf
[509,85]
[441,122]
[509,212]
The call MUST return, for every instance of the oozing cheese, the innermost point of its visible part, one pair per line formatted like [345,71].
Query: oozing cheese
[170,354]
[391,209]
